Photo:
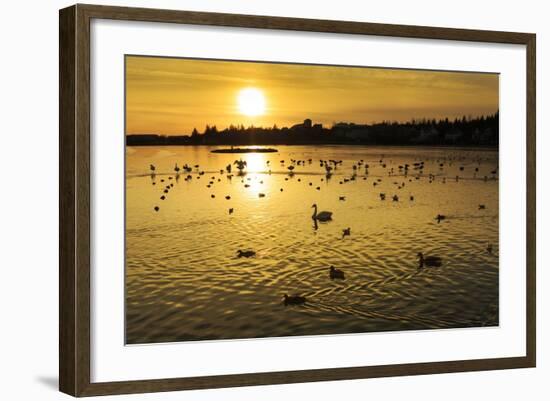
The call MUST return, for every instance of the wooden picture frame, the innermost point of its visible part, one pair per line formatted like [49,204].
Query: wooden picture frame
[74,203]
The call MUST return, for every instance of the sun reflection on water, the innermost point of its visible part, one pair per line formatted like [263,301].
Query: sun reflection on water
[255,162]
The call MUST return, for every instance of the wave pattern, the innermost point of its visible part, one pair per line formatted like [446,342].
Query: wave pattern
[184,280]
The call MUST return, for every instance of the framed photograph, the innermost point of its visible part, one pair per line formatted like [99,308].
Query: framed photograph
[249,200]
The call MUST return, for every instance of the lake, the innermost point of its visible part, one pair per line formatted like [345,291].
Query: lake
[184,280]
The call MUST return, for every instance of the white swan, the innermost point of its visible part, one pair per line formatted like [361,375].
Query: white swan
[321,216]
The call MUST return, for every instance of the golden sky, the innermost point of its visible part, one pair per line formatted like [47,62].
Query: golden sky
[172,96]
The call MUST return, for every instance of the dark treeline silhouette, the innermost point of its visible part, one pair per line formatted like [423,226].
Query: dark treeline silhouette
[465,131]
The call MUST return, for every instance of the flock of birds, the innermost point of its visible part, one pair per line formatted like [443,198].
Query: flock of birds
[404,172]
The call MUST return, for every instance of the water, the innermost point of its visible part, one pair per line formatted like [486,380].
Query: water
[184,280]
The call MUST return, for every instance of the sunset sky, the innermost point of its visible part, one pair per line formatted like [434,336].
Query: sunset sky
[172,96]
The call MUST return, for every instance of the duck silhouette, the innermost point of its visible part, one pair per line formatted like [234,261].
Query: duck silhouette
[245,254]
[431,261]
[336,273]
[293,299]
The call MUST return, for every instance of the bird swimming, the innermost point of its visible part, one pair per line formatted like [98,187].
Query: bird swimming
[336,273]
[346,232]
[432,261]
[321,216]
[245,254]
[293,300]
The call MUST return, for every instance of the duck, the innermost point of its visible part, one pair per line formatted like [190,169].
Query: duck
[342,198]
[440,217]
[432,261]
[321,216]
[245,254]
[230,210]
[152,168]
[261,195]
[336,273]
[490,249]
[346,232]
[481,206]
[294,299]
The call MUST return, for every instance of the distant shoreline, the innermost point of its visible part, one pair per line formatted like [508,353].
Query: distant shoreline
[441,146]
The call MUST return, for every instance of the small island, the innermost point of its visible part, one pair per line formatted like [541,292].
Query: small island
[245,150]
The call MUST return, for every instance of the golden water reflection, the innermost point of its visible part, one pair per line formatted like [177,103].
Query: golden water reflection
[185,282]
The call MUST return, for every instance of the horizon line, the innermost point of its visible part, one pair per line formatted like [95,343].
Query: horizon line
[413,120]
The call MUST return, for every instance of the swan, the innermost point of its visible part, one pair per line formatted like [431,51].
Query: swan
[434,261]
[336,273]
[321,216]
[246,254]
[294,300]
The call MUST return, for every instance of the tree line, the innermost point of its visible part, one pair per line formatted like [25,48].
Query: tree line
[465,131]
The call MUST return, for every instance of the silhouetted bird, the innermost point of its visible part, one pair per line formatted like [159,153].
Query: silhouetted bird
[294,300]
[432,261]
[336,273]
[346,232]
[245,254]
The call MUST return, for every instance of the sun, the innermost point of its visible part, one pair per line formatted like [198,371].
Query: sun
[251,102]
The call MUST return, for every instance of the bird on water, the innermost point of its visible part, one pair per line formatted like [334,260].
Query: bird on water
[321,216]
[245,254]
[431,261]
[293,300]
[336,273]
